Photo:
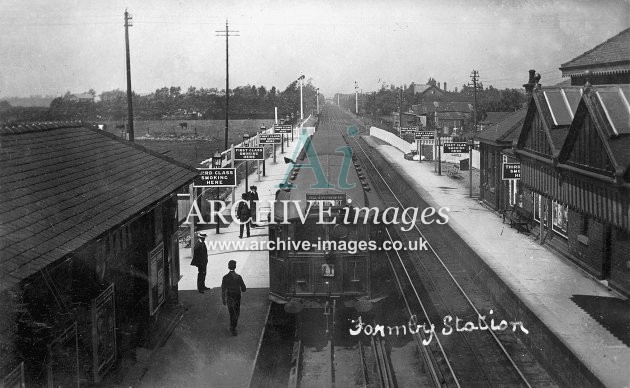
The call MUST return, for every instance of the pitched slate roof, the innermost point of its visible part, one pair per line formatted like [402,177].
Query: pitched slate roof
[608,108]
[611,56]
[505,130]
[495,117]
[62,185]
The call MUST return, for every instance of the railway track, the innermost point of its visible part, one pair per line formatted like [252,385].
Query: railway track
[436,284]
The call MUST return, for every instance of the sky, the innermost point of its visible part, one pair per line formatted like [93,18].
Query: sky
[49,47]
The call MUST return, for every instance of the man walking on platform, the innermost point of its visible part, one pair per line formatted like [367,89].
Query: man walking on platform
[231,288]
[200,260]
[244,215]
[253,198]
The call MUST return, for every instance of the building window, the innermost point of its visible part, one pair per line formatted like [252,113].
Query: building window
[560,218]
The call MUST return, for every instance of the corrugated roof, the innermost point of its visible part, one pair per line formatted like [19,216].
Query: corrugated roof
[602,58]
[64,185]
[506,130]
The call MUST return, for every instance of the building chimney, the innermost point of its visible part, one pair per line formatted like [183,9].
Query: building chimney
[529,86]
[438,85]
[446,90]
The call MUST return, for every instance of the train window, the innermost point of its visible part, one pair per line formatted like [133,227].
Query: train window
[309,231]
[301,275]
[354,275]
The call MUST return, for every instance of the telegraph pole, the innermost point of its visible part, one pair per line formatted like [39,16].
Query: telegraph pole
[227,33]
[474,76]
[129,102]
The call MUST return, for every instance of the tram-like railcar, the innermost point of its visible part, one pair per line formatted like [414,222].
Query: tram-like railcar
[318,203]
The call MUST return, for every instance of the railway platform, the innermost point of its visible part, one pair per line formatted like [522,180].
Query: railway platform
[569,303]
[200,350]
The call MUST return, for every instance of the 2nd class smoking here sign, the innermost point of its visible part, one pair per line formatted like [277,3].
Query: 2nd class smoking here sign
[270,138]
[282,128]
[455,148]
[408,130]
[511,171]
[248,153]
[216,177]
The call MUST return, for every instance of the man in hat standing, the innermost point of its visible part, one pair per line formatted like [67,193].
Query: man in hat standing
[200,260]
[231,288]
[253,198]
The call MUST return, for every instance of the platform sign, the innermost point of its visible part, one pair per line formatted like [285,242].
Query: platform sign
[455,148]
[269,138]
[334,199]
[425,135]
[282,128]
[216,177]
[103,332]
[248,153]
[511,171]
[408,130]
[156,278]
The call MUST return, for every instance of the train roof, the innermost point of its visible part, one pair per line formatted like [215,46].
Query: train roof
[322,149]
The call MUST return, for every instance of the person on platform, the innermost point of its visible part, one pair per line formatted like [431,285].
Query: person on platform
[200,260]
[244,215]
[231,288]
[253,197]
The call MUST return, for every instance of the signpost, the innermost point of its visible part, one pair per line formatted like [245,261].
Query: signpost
[216,177]
[455,148]
[282,129]
[269,138]
[335,200]
[248,153]
[422,135]
[511,171]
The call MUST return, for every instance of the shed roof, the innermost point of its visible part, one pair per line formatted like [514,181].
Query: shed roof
[505,130]
[62,185]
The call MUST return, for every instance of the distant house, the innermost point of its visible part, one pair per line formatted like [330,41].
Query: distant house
[607,63]
[451,114]
[89,249]
[82,98]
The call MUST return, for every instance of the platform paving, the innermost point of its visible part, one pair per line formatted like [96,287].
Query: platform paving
[200,350]
[543,280]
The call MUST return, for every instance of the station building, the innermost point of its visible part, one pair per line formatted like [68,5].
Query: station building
[573,146]
[89,250]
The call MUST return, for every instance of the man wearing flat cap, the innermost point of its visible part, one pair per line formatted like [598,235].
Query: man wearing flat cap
[231,288]
[200,260]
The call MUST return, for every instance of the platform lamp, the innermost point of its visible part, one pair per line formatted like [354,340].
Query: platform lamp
[246,144]
[216,163]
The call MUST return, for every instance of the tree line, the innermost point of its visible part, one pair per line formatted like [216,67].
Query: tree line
[245,102]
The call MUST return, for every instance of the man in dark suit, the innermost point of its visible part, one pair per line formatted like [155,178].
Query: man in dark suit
[253,197]
[244,215]
[231,288]
[200,260]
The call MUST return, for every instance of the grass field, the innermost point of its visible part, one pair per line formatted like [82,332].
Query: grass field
[182,144]
[207,129]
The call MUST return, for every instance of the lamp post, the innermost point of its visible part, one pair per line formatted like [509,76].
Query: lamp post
[216,163]
[262,130]
[246,144]
[470,156]
[356,97]
[301,79]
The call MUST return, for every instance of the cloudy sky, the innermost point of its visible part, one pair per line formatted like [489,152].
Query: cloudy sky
[54,46]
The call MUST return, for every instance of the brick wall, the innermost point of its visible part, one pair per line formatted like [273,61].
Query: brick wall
[589,254]
[620,258]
